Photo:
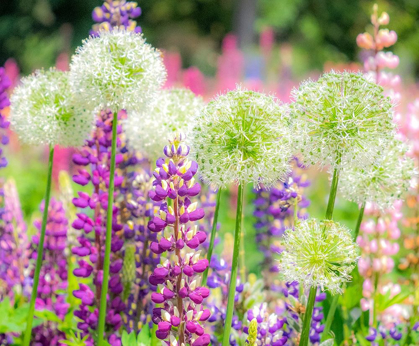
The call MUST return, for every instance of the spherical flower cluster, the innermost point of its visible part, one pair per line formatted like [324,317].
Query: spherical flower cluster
[170,112]
[383,181]
[177,278]
[43,111]
[318,254]
[341,120]
[114,13]
[269,327]
[243,137]
[116,70]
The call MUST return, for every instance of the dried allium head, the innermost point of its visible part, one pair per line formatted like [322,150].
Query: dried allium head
[116,70]
[383,181]
[170,112]
[341,119]
[43,111]
[319,254]
[243,137]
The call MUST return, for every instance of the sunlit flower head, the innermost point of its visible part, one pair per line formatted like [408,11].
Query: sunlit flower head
[341,119]
[319,254]
[116,70]
[43,111]
[171,112]
[383,181]
[243,137]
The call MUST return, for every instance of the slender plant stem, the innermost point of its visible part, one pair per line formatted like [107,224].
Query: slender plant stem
[329,216]
[234,267]
[213,233]
[40,253]
[242,255]
[359,221]
[307,316]
[332,195]
[106,262]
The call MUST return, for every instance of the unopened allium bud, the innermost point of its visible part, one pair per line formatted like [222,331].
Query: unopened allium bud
[319,254]
[243,137]
[383,181]
[341,120]
[170,112]
[43,111]
[116,70]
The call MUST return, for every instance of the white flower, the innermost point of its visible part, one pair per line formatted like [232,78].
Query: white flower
[116,70]
[341,119]
[383,181]
[242,136]
[43,111]
[171,112]
[319,254]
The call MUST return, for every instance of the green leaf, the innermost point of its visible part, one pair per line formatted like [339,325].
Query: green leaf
[144,337]
[48,315]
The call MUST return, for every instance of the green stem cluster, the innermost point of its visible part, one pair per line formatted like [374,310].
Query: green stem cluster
[104,292]
[234,267]
[40,252]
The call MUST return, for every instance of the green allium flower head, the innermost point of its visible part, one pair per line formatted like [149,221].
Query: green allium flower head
[171,112]
[341,119]
[319,254]
[43,111]
[383,181]
[243,137]
[116,70]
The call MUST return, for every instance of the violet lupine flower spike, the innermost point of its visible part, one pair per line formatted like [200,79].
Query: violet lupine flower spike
[178,278]
[4,124]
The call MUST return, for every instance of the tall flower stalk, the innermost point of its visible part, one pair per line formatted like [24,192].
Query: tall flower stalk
[105,77]
[241,137]
[43,112]
[179,292]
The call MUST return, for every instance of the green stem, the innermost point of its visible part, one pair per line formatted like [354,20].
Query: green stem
[102,310]
[359,221]
[332,195]
[40,252]
[213,233]
[234,267]
[242,255]
[329,216]
[307,317]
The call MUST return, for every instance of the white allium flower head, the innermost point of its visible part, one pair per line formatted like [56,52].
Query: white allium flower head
[242,137]
[341,119]
[43,111]
[116,70]
[171,112]
[383,181]
[318,254]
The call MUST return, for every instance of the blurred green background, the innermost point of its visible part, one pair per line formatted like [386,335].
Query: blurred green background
[34,32]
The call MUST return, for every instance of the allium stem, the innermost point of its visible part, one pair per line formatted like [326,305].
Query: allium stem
[40,252]
[102,310]
[332,195]
[359,221]
[307,316]
[234,267]
[212,240]
[329,216]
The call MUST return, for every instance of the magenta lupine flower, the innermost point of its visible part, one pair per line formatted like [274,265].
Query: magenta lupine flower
[179,295]
[91,223]
[53,276]
[114,13]
[4,124]
[13,242]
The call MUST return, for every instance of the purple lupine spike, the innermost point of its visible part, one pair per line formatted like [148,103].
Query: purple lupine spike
[178,291]
[53,276]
